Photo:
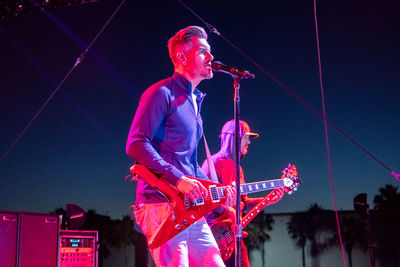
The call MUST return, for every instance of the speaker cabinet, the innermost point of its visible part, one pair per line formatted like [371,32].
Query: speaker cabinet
[28,239]
[38,240]
[78,248]
[8,238]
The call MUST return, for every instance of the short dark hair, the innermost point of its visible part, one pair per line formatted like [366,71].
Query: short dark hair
[184,37]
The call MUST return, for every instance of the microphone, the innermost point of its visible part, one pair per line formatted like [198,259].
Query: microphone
[235,73]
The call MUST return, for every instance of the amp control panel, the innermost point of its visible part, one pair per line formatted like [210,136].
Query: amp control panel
[78,248]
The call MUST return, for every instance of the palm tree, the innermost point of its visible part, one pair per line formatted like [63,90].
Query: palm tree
[116,233]
[353,234]
[123,235]
[321,221]
[258,233]
[385,222]
[297,230]
[308,227]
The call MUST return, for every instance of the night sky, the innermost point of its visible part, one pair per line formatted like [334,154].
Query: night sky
[74,152]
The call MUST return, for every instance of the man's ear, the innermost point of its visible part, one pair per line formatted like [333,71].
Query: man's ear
[181,57]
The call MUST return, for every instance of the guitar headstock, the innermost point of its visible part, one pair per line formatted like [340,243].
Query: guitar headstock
[290,178]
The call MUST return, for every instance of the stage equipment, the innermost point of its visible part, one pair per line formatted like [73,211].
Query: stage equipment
[13,8]
[78,248]
[28,239]
[75,217]
[360,203]
[235,73]
[8,240]
[361,206]
[237,76]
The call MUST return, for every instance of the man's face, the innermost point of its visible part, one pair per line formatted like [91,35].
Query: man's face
[244,145]
[198,59]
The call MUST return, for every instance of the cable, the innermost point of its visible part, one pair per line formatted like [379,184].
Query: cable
[77,62]
[326,133]
[292,93]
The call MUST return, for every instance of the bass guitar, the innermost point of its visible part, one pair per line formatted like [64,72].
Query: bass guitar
[222,228]
[184,211]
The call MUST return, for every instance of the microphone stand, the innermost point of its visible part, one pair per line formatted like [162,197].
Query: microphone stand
[237,76]
[238,226]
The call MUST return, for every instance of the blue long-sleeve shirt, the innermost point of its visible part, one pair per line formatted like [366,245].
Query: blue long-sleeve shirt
[165,133]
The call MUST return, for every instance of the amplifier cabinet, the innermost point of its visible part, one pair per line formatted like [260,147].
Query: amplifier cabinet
[38,240]
[28,239]
[8,238]
[78,248]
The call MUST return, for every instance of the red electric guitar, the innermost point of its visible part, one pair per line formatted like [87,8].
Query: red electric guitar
[184,212]
[222,228]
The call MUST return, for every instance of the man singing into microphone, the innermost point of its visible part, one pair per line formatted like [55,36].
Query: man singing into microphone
[163,137]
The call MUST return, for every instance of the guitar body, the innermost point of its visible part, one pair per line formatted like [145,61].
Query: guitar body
[224,236]
[184,212]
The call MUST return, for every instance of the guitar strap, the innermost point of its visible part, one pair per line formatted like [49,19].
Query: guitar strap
[211,167]
[213,175]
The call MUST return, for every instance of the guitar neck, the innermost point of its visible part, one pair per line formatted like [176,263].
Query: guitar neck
[256,210]
[254,187]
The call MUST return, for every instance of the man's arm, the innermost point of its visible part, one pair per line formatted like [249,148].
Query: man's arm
[152,109]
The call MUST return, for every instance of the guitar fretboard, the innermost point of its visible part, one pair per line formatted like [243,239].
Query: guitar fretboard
[219,192]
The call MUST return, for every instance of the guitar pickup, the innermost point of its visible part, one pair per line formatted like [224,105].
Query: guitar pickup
[214,193]
[198,202]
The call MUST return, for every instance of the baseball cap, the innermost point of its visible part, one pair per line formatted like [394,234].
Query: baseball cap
[229,128]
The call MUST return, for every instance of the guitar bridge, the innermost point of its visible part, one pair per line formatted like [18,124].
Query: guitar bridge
[198,202]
